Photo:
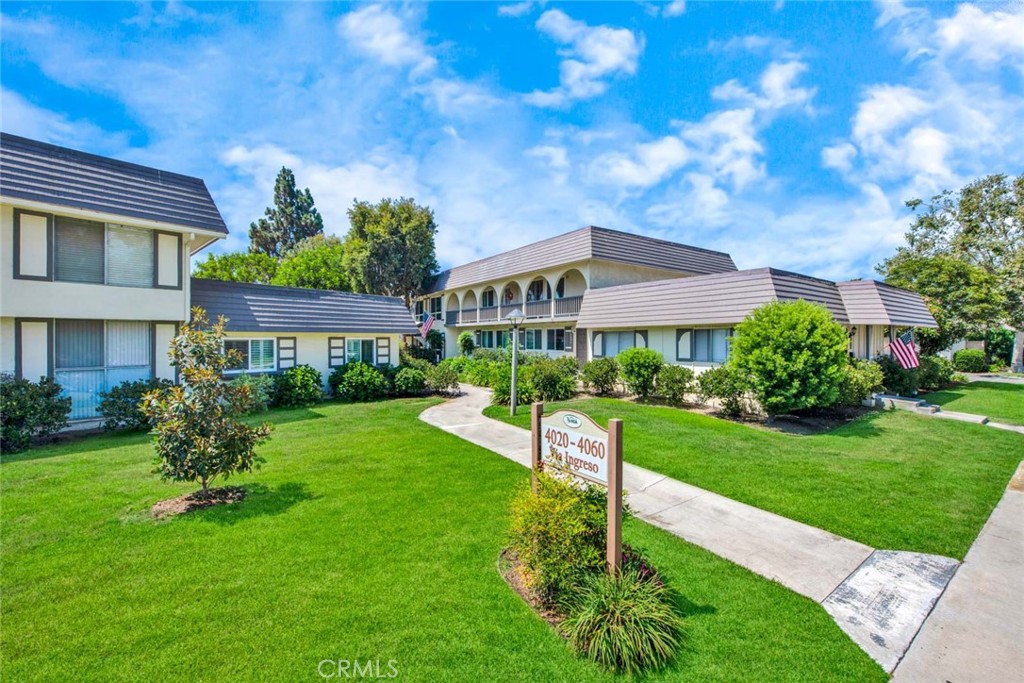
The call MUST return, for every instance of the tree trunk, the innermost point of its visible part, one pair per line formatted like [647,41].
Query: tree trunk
[1017,359]
[206,488]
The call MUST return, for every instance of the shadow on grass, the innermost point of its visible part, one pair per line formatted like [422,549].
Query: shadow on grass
[864,427]
[280,416]
[93,442]
[260,501]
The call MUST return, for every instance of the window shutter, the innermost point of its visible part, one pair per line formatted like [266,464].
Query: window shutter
[598,345]
[335,352]
[33,245]
[129,256]
[568,339]
[383,350]
[286,352]
[78,250]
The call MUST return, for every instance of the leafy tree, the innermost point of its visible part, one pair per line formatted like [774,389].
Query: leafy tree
[793,354]
[316,263]
[965,255]
[390,248]
[197,435]
[466,343]
[292,219]
[238,267]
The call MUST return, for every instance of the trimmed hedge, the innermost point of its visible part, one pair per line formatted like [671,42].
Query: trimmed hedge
[299,386]
[639,368]
[970,360]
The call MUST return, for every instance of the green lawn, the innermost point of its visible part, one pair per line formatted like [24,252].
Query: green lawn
[998,400]
[367,535]
[891,480]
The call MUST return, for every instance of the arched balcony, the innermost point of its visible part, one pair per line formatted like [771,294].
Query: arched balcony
[538,299]
[469,308]
[451,310]
[488,304]
[569,289]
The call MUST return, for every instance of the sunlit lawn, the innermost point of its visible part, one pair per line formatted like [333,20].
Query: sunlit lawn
[1000,401]
[892,480]
[368,535]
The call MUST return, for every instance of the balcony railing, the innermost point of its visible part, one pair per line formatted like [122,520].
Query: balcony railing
[451,318]
[569,305]
[538,309]
[468,315]
[534,310]
[488,313]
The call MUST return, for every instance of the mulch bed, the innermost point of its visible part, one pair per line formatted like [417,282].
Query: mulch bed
[227,495]
[512,571]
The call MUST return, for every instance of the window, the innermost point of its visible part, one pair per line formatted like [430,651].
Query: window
[359,351]
[501,338]
[487,299]
[485,339]
[709,346]
[560,288]
[684,344]
[510,295]
[93,356]
[78,251]
[556,340]
[435,306]
[129,256]
[532,340]
[538,291]
[256,355]
[419,309]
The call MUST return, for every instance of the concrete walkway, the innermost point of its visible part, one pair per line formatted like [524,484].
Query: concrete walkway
[989,377]
[880,598]
[976,632]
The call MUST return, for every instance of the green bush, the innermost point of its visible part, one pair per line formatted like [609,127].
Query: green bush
[30,409]
[497,355]
[261,390]
[558,534]
[552,380]
[466,343]
[674,383]
[409,355]
[600,375]
[358,382]
[626,623]
[793,354]
[970,360]
[934,372]
[299,386]
[640,368]
[120,405]
[410,382]
[443,378]
[959,378]
[860,379]
[897,380]
[724,383]
[999,344]
[502,386]
[482,372]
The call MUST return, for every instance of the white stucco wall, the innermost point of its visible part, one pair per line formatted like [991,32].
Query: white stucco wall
[7,345]
[36,299]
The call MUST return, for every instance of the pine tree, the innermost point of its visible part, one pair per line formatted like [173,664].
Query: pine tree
[292,219]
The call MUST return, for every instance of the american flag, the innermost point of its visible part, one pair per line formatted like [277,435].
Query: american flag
[902,348]
[428,322]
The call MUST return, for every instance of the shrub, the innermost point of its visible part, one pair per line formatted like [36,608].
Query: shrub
[299,386]
[359,382]
[490,354]
[443,378]
[600,375]
[793,354]
[409,353]
[625,623]
[197,435]
[466,343]
[897,380]
[460,363]
[934,372]
[482,372]
[959,378]
[120,405]
[30,409]
[409,361]
[674,383]
[860,379]
[502,386]
[640,368]
[726,384]
[970,360]
[558,534]
[261,390]
[999,344]
[410,382]
[552,380]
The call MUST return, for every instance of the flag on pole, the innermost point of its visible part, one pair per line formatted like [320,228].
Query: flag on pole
[427,324]
[902,348]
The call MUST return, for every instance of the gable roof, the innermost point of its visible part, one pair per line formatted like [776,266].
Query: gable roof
[269,308]
[587,243]
[718,299]
[37,171]
[869,302]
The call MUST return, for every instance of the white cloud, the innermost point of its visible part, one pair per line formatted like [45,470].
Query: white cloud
[24,118]
[839,156]
[516,9]
[593,53]
[984,38]
[777,88]
[376,31]
[646,164]
[674,8]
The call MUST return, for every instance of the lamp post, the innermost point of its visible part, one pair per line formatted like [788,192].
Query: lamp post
[516,317]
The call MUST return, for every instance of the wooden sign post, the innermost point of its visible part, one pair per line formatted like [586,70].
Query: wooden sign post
[571,442]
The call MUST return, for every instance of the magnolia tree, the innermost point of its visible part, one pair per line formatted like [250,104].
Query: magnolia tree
[198,437]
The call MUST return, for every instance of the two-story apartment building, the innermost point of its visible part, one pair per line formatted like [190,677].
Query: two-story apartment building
[594,292]
[94,281]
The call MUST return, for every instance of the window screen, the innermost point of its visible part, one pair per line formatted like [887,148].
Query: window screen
[129,256]
[78,344]
[78,250]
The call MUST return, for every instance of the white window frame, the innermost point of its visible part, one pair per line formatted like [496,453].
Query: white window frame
[359,341]
[248,360]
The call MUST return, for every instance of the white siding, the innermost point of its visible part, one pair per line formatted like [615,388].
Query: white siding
[33,239]
[163,334]
[35,350]
[167,257]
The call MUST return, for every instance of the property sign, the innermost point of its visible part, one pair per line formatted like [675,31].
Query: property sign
[571,442]
[574,443]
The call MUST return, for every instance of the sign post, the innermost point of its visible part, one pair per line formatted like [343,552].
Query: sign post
[571,442]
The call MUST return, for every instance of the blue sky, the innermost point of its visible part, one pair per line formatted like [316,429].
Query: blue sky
[788,134]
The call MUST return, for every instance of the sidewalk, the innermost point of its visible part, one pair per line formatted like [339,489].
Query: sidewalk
[976,632]
[880,598]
